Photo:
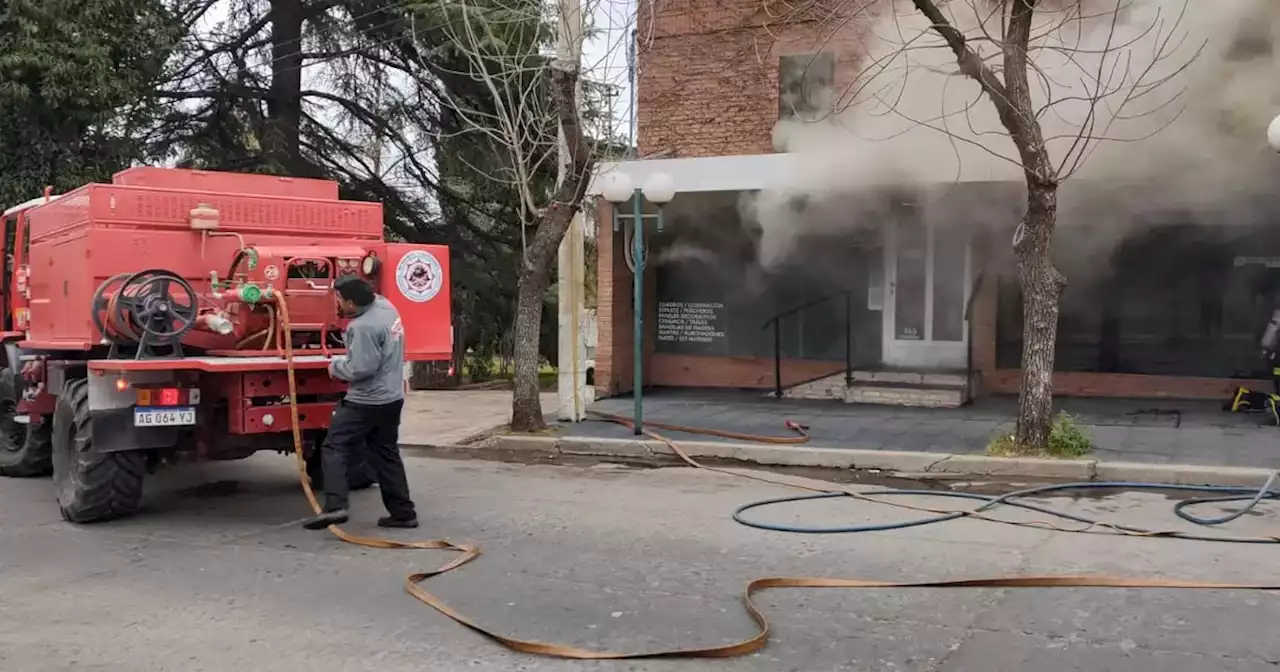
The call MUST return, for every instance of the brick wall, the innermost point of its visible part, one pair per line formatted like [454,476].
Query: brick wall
[1071,384]
[613,355]
[707,86]
[708,71]
[734,372]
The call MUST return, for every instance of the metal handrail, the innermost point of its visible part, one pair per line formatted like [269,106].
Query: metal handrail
[776,322]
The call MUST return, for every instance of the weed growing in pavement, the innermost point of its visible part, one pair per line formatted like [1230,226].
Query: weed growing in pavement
[1068,439]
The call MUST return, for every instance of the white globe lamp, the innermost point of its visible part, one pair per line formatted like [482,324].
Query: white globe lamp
[1273,134]
[659,189]
[616,187]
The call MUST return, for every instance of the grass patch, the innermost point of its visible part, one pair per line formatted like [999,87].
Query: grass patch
[1068,439]
[496,373]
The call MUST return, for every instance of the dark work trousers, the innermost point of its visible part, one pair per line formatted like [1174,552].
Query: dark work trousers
[375,429]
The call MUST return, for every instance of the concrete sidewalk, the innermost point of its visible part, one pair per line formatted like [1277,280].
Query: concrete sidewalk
[453,417]
[1135,440]
[914,464]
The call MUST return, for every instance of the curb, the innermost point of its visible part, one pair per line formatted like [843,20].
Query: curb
[915,464]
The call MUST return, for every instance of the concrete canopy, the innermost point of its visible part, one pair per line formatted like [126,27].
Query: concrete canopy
[713,173]
[808,171]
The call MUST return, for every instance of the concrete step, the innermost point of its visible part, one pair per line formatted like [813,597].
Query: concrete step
[903,394]
[831,387]
[888,388]
[930,379]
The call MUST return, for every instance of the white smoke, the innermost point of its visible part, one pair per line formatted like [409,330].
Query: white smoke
[1145,103]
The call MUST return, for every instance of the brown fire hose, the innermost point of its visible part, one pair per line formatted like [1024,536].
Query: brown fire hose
[468,552]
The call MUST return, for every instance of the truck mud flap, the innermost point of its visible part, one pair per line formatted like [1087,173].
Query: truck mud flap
[114,432]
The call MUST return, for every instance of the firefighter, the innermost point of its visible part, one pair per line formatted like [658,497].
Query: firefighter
[368,417]
[1246,400]
[1270,342]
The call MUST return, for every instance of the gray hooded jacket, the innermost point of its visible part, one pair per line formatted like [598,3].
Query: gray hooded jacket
[374,364]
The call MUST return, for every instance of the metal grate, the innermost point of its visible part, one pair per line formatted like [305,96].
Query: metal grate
[243,212]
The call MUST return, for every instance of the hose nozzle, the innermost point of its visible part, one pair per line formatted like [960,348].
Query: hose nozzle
[215,322]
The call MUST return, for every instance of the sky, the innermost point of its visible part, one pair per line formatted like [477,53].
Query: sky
[605,56]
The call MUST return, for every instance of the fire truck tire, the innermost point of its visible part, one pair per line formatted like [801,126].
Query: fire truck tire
[91,486]
[32,458]
[25,449]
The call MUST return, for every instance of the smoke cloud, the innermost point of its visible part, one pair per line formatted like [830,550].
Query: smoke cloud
[1159,105]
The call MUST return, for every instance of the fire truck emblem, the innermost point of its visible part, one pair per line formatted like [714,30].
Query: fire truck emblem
[419,276]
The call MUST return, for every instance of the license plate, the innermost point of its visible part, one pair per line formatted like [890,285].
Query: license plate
[163,417]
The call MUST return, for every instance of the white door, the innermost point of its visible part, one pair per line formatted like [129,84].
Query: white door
[927,269]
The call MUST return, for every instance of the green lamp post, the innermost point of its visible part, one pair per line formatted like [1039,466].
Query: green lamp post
[659,189]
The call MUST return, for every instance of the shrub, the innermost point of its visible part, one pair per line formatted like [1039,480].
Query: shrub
[479,367]
[1067,439]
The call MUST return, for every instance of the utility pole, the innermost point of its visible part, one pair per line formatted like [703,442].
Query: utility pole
[632,149]
[571,376]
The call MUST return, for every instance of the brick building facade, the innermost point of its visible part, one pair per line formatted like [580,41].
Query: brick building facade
[711,76]
[708,70]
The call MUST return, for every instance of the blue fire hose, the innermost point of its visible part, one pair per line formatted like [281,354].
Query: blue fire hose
[1224,494]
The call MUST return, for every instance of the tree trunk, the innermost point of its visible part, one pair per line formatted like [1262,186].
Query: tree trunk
[540,255]
[526,405]
[282,144]
[1042,286]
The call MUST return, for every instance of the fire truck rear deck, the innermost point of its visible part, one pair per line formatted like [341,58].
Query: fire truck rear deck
[143,324]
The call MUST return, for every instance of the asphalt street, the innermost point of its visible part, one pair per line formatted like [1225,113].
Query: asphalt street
[216,574]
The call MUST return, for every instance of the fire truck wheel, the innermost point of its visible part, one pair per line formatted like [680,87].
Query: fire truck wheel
[91,486]
[24,448]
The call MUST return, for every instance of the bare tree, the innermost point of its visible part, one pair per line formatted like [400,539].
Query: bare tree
[531,115]
[1063,77]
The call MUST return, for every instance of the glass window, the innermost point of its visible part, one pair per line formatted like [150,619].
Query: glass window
[948,283]
[911,279]
[805,84]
